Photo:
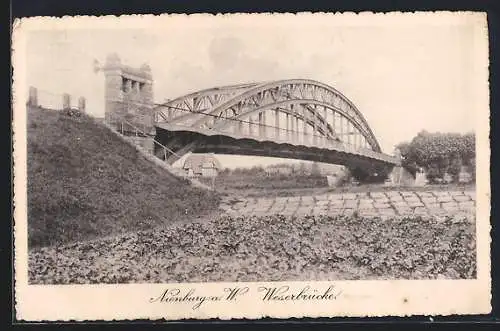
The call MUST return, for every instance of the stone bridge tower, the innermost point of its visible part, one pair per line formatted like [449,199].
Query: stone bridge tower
[128,96]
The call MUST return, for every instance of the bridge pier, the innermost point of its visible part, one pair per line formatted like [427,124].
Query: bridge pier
[369,174]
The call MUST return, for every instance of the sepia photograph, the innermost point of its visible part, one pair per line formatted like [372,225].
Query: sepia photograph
[244,149]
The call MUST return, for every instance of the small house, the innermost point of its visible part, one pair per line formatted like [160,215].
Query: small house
[202,165]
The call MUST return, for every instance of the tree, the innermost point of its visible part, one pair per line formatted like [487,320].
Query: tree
[438,153]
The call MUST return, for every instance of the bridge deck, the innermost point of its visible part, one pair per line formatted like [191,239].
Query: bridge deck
[323,144]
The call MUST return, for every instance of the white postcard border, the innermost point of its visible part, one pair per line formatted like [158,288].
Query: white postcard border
[358,298]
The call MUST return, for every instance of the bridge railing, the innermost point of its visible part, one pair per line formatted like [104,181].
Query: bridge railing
[127,128]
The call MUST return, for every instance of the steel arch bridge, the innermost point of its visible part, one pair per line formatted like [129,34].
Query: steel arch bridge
[297,118]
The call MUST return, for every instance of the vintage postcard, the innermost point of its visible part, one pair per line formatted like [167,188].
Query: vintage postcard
[251,165]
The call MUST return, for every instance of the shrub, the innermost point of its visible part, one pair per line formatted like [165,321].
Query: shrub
[438,154]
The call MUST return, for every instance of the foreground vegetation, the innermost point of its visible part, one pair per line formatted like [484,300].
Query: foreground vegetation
[85,182]
[270,248]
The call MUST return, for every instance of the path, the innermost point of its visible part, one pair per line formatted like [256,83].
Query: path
[391,203]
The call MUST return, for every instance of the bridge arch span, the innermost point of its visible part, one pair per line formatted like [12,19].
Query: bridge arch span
[246,97]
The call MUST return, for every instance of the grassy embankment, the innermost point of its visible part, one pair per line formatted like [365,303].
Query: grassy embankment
[85,182]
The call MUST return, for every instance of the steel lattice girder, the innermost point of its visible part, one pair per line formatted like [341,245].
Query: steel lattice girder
[241,100]
[284,106]
[200,100]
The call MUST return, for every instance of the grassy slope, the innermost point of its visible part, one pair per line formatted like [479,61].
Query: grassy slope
[85,182]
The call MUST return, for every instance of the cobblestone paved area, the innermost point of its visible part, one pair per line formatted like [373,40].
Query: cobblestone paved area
[438,203]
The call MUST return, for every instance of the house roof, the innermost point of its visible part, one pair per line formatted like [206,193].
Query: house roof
[199,161]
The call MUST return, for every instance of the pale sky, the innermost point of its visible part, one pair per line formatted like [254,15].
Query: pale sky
[404,75]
